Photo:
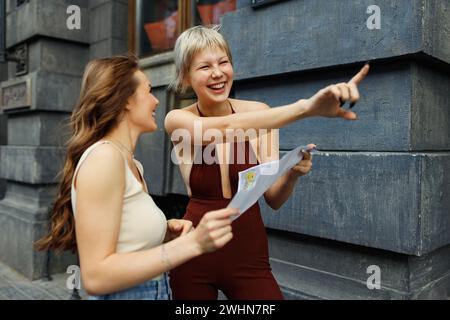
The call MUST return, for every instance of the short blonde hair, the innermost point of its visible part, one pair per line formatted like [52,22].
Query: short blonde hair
[191,42]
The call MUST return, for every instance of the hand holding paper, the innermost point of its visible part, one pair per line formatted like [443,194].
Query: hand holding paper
[255,181]
[304,166]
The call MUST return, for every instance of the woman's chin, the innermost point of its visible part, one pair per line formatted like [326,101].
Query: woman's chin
[152,128]
[219,98]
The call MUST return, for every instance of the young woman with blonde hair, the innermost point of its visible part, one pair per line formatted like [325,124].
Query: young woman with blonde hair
[103,208]
[203,62]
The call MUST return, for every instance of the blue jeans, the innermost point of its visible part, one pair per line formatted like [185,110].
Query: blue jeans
[150,290]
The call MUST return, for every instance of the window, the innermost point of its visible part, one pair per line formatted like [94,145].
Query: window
[209,11]
[158,23]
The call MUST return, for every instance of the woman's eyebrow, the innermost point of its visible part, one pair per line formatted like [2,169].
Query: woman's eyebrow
[200,62]
[207,61]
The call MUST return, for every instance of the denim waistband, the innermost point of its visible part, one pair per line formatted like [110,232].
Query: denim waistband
[149,290]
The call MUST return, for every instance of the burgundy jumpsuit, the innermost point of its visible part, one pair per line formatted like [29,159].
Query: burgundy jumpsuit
[240,269]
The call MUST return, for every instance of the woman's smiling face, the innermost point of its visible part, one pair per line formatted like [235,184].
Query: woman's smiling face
[211,75]
[142,109]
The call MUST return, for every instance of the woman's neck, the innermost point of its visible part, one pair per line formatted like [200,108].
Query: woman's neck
[214,109]
[124,137]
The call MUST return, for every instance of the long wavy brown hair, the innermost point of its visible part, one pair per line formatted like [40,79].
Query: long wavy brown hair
[107,85]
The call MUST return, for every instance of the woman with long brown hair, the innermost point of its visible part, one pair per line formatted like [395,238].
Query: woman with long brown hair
[103,209]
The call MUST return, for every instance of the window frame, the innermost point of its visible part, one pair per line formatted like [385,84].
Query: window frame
[185,9]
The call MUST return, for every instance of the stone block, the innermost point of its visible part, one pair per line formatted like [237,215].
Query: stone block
[310,268]
[39,128]
[391,201]
[108,47]
[430,276]
[430,112]
[40,90]
[3,141]
[403,107]
[23,214]
[108,20]
[33,165]
[436,26]
[434,200]
[45,18]
[314,34]
[57,57]
[242,3]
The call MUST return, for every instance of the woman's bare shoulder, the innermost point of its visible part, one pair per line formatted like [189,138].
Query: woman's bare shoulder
[247,105]
[180,111]
[104,163]
[191,108]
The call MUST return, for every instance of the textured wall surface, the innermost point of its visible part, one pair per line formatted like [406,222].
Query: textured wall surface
[378,193]
[301,35]
[34,152]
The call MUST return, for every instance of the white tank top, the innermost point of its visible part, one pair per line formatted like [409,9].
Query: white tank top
[143,225]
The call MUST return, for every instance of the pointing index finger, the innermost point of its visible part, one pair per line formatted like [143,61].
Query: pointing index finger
[359,77]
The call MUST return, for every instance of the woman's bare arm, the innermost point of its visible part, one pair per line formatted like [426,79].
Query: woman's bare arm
[325,103]
[100,188]
[271,118]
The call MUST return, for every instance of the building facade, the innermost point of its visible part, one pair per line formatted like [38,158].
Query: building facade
[375,210]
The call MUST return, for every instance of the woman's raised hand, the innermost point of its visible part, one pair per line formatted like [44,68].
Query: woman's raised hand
[328,102]
[214,230]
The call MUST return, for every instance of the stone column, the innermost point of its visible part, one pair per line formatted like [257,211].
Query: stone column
[3,131]
[37,103]
[39,106]
[108,31]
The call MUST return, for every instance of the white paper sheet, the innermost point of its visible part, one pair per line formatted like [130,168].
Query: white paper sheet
[255,181]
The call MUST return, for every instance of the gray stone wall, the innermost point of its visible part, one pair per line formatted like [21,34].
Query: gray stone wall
[33,152]
[315,268]
[108,27]
[3,129]
[378,193]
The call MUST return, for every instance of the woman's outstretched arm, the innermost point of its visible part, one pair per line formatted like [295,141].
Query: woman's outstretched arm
[326,103]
